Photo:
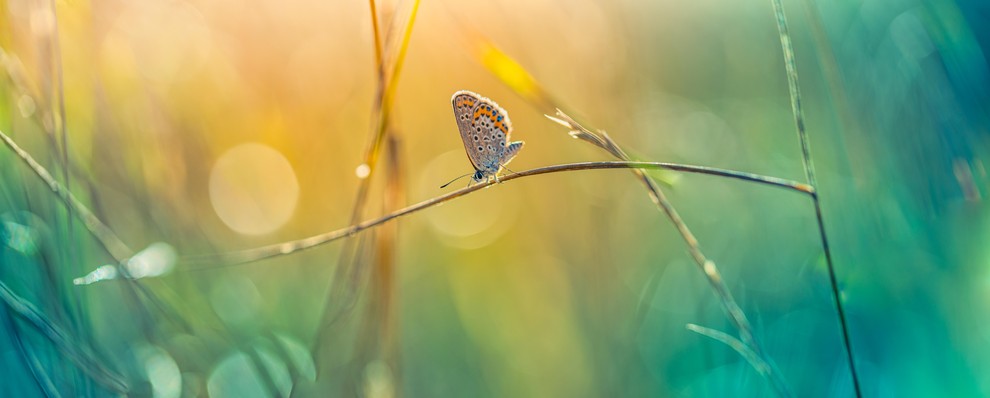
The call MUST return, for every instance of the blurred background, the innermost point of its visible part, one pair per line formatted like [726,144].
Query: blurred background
[194,128]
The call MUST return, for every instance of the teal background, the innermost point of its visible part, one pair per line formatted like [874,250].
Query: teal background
[569,284]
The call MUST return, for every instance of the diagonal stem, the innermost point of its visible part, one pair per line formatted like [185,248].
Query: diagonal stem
[809,169]
[79,354]
[111,243]
[708,267]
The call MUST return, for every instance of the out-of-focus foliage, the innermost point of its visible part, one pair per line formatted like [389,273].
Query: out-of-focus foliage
[199,127]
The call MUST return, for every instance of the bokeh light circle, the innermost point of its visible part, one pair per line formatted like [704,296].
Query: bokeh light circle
[253,189]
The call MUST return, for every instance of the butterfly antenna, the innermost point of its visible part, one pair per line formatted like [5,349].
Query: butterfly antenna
[451,181]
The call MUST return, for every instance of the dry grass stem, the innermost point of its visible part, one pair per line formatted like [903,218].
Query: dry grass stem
[280,249]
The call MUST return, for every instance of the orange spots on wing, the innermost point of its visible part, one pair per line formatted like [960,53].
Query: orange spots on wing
[481,111]
[464,101]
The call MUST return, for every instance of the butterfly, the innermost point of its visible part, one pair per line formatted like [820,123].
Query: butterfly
[485,130]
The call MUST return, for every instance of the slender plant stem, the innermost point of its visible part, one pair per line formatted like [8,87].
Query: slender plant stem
[111,243]
[260,253]
[77,353]
[109,240]
[59,129]
[38,372]
[809,169]
[708,267]
[734,343]
[116,248]
[61,137]
[382,108]
[378,39]
[349,272]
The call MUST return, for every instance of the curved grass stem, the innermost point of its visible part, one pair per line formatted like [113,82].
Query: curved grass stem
[251,255]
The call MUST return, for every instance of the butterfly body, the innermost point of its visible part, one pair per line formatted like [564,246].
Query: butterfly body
[485,130]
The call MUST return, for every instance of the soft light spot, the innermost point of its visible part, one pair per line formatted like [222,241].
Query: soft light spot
[19,237]
[276,370]
[162,372]
[253,189]
[298,353]
[238,376]
[910,36]
[22,231]
[26,105]
[235,376]
[378,380]
[362,171]
[155,260]
[470,222]
[103,273]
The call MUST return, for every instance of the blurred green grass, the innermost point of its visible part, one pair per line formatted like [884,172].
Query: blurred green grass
[564,285]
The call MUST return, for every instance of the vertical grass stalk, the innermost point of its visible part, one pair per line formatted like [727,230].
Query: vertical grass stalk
[349,272]
[809,169]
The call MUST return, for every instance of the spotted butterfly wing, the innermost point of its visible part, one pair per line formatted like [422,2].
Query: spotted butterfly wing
[464,103]
[485,130]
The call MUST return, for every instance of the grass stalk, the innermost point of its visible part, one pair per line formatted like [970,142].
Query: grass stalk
[809,169]
[107,238]
[743,349]
[708,267]
[79,354]
[342,293]
[34,366]
[285,248]
[383,106]
[115,247]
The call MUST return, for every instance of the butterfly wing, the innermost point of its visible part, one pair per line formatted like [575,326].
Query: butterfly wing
[492,122]
[510,152]
[501,129]
[464,103]
[485,130]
